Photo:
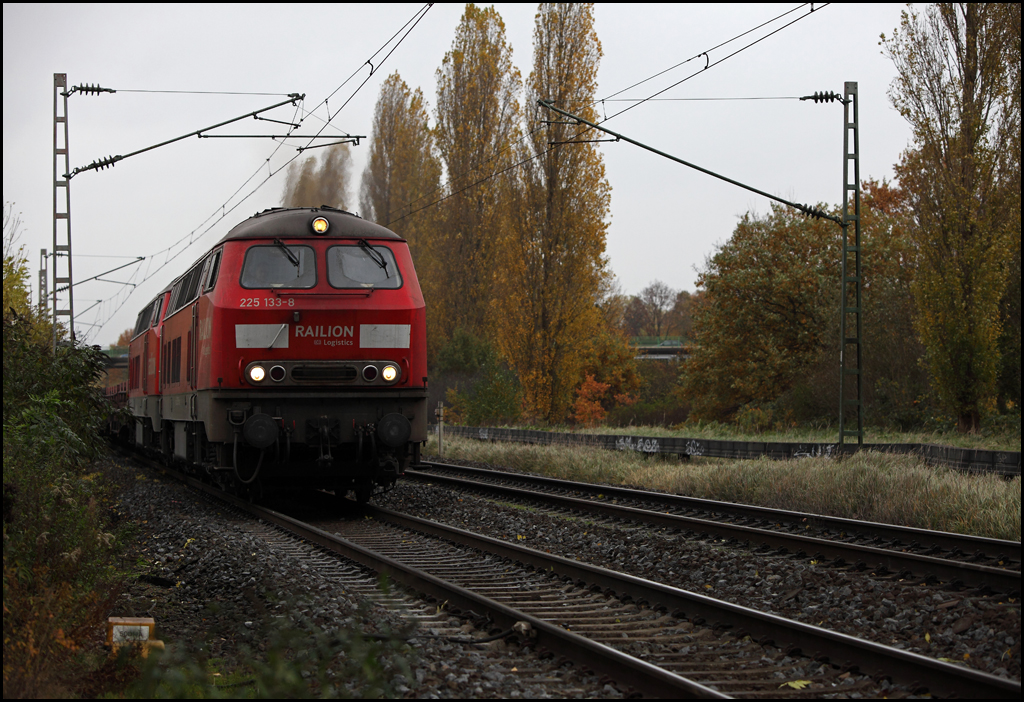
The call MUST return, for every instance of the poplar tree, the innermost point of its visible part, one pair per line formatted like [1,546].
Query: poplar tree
[552,264]
[402,173]
[477,118]
[958,85]
[322,180]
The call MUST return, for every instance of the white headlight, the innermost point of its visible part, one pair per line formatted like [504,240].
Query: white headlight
[257,373]
[389,373]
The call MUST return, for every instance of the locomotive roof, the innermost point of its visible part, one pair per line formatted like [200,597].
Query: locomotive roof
[294,222]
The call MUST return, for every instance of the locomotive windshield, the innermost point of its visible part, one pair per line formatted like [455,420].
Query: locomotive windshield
[279,266]
[362,266]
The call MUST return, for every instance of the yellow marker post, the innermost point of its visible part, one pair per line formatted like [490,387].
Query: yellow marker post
[132,631]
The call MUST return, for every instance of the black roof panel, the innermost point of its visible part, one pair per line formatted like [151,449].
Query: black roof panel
[294,222]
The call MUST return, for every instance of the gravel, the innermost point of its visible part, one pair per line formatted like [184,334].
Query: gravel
[223,587]
[968,628]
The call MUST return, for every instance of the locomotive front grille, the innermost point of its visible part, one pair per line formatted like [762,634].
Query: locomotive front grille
[313,372]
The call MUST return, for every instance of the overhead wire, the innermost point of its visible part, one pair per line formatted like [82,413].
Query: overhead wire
[607,99]
[701,99]
[223,209]
[414,21]
[725,58]
[708,51]
[197,92]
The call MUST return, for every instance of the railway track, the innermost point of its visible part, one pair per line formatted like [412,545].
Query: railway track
[427,619]
[882,548]
[649,638]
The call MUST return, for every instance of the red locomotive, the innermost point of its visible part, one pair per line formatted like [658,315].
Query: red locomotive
[292,354]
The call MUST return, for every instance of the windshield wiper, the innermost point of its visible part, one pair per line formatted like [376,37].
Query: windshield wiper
[287,252]
[377,256]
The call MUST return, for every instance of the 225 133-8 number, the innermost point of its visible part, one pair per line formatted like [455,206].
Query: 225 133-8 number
[267,302]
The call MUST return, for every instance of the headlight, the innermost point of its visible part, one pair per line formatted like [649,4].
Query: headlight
[389,373]
[257,373]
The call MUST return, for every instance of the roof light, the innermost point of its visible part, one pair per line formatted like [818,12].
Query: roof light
[320,225]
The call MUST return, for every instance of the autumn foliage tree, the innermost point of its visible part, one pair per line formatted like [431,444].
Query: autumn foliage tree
[551,265]
[322,180]
[17,277]
[766,324]
[477,121]
[764,314]
[958,85]
[402,171]
[680,317]
[123,339]
[588,410]
[16,273]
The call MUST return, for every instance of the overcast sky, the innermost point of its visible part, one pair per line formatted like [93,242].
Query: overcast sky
[665,219]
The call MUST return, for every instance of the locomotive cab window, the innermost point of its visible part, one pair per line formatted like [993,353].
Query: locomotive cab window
[156,310]
[142,321]
[279,266]
[362,266]
[214,269]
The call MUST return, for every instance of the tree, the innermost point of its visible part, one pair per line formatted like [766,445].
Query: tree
[320,181]
[896,385]
[657,300]
[1008,385]
[958,85]
[16,273]
[18,309]
[608,358]
[480,388]
[1008,389]
[477,118]
[402,170]
[634,317]
[123,339]
[680,318]
[551,265]
[657,311]
[588,410]
[769,294]
[613,303]
[765,327]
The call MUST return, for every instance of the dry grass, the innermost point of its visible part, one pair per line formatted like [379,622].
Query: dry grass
[1002,436]
[895,489]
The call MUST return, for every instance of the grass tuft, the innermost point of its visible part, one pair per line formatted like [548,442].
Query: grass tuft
[895,489]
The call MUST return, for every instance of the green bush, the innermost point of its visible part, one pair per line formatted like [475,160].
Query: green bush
[60,572]
[479,387]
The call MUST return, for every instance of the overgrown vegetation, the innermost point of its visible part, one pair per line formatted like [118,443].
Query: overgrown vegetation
[479,387]
[896,489]
[297,660]
[657,400]
[61,536]
[64,546]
